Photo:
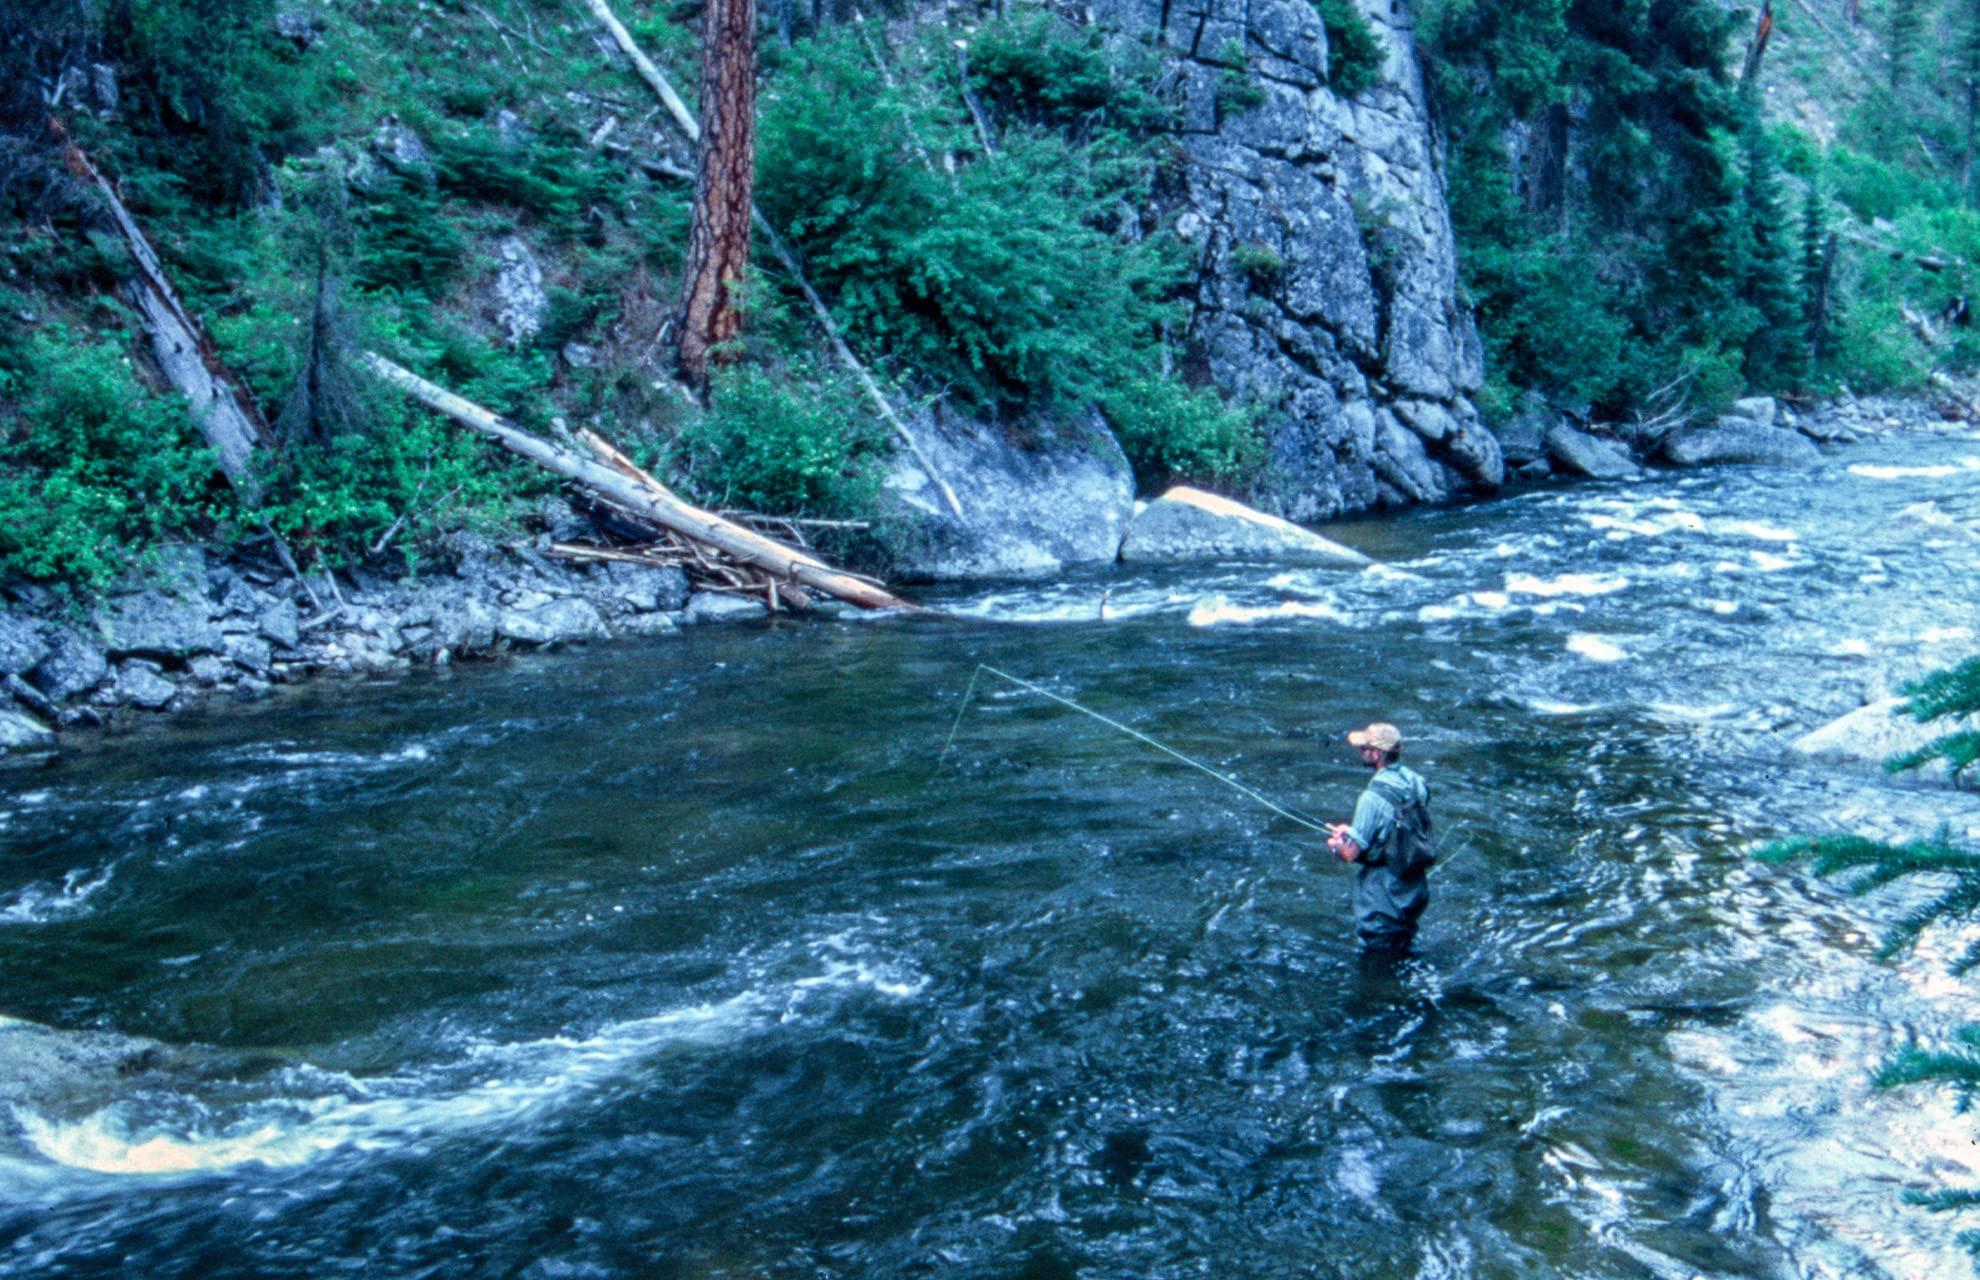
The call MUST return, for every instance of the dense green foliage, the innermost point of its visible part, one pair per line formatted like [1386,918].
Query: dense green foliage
[778,444]
[92,460]
[1954,870]
[1007,269]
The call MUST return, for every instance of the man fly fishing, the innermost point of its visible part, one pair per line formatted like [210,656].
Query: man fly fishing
[1389,841]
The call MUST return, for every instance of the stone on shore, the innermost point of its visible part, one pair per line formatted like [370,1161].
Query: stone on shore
[562,621]
[18,730]
[1585,455]
[1737,441]
[1188,525]
[21,645]
[710,606]
[152,624]
[73,666]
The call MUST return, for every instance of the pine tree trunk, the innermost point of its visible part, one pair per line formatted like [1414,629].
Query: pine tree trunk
[718,244]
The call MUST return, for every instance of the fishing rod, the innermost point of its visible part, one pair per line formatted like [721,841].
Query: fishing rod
[1304,820]
[1284,811]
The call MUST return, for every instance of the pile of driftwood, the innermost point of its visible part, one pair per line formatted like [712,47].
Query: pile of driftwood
[733,556]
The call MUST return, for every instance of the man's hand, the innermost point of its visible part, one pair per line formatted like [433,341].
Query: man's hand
[1341,843]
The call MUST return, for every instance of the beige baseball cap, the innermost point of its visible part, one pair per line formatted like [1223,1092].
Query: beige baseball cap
[1380,735]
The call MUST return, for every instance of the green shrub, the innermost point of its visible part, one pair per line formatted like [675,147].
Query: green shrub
[92,464]
[1171,432]
[1041,72]
[804,445]
[1259,265]
[1354,52]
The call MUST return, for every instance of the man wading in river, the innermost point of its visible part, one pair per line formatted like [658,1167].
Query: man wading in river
[1389,840]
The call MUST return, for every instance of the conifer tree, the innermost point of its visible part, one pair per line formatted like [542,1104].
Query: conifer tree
[1818,257]
[1872,865]
[1776,355]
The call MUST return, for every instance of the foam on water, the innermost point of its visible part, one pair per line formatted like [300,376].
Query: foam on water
[1595,648]
[1567,584]
[1220,611]
[312,1112]
[1940,471]
[43,904]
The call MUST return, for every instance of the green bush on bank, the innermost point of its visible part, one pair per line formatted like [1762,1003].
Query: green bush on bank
[92,462]
[800,444]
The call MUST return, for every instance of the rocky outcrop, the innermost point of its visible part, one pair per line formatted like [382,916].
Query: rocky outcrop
[1327,272]
[1187,525]
[1034,501]
[1325,294]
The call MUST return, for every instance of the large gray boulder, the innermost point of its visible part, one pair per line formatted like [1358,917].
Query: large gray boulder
[1738,441]
[1058,495]
[563,621]
[73,666]
[1872,734]
[1187,525]
[1581,454]
[152,624]
[21,645]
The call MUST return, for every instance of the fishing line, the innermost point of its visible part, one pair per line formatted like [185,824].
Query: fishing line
[1302,819]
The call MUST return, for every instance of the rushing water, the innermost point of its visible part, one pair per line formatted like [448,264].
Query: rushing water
[692,958]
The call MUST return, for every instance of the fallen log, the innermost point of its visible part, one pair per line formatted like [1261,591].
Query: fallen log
[632,490]
[224,414]
[685,121]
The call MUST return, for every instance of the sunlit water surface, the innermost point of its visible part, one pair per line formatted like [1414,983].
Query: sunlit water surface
[695,958]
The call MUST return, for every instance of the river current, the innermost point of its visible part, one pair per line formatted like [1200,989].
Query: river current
[699,958]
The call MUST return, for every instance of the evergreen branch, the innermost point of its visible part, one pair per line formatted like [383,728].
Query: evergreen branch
[1952,692]
[1940,1201]
[1931,1066]
[1958,750]
[1957,903]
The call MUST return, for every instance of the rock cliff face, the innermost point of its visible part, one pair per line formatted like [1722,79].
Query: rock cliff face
[1327,275]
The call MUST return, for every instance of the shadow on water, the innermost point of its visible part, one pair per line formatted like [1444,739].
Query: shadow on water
[692,959]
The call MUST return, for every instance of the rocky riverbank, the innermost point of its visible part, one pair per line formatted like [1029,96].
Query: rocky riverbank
[190,626]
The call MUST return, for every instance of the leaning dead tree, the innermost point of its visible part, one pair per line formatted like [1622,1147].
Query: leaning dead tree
[724,190]
[226,416]
[613,479]
[691,129]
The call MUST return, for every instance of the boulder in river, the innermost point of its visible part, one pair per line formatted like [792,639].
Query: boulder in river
[47,1069]
[1873,734]
[1736,441]
[19,729]
[1187,525]
[710,606]
[1585,455]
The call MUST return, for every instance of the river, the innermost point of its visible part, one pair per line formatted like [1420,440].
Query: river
[698,958]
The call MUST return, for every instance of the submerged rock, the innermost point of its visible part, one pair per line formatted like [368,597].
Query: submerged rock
[47,1069]
[1872,734]
[1186,525]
